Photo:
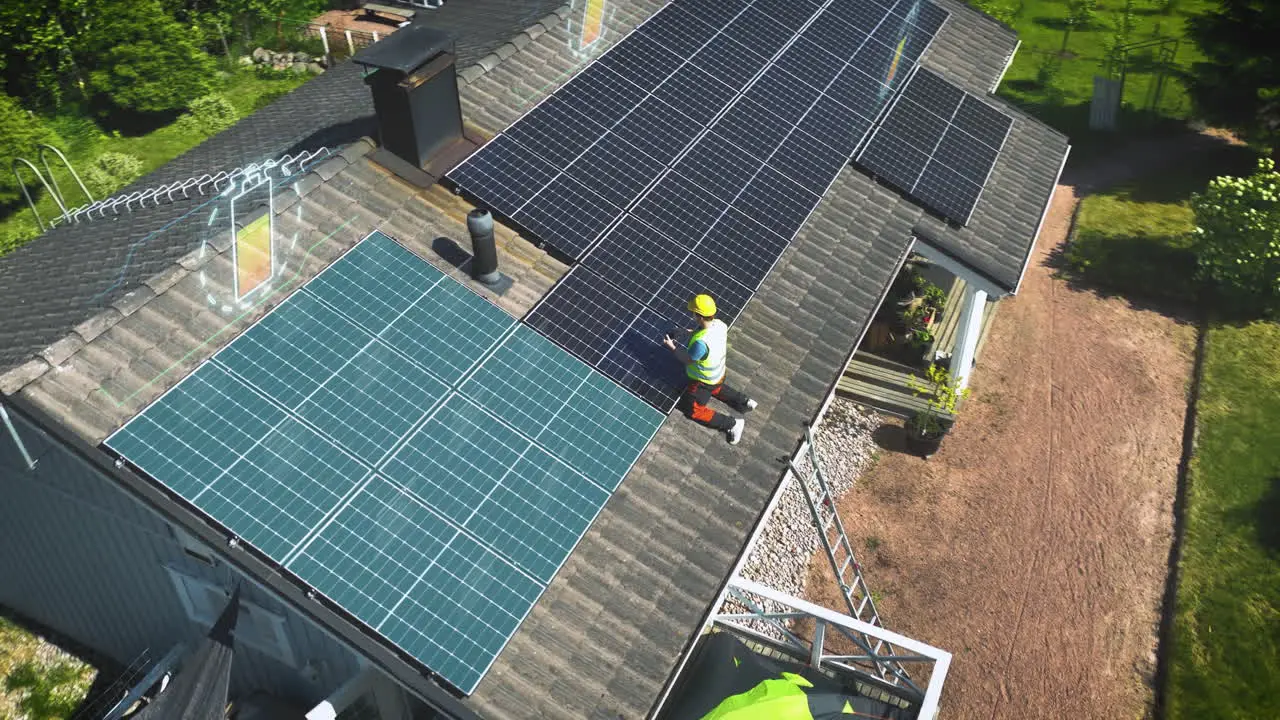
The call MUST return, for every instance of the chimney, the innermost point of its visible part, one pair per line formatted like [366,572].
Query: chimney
[415,96]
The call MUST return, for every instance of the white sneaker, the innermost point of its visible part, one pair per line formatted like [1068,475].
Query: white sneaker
[735,432]
[751,405]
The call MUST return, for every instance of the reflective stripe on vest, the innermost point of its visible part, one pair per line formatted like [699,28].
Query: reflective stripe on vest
[710,369]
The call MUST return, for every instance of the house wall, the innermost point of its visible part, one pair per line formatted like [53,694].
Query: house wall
[82,557]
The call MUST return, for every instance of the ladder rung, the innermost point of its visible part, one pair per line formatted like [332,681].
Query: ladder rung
[862,606]
[876,649]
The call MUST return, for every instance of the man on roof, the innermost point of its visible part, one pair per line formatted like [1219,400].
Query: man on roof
[704,364]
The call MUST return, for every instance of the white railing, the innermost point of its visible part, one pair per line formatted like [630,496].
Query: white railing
[829,627]
[286,166]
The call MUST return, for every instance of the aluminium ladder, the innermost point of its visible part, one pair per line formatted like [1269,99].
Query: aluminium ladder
[848,573]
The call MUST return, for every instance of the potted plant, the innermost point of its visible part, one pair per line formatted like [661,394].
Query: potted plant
[926,428]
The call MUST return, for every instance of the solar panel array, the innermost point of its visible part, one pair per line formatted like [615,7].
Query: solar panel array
[686,158]
[938,144]
[402,446]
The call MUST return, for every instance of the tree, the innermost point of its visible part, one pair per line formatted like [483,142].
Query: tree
[35,48]
[1238,85]
[1080,13]
[1238,238]
[20,132]
[142,59]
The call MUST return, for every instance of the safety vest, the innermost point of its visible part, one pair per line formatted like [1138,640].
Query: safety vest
[710,369]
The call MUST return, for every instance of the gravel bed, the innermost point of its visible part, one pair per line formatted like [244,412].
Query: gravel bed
[789,540]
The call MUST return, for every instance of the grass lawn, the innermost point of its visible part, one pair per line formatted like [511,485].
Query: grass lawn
[1225,654]
[1134,240]
[1056,85]
[83,141]
[36,679]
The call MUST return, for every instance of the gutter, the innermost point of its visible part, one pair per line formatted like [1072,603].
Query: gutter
[1043,215]
[323,614]
[1000,78]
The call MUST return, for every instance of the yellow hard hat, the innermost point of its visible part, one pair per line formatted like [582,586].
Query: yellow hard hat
[703,305]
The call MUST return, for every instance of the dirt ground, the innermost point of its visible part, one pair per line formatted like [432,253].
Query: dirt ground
[1034,546]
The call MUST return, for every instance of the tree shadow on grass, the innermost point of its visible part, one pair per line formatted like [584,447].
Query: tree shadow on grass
[1263,516]
[1151,273]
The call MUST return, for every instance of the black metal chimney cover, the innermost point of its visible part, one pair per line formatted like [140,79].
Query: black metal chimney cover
[405,49]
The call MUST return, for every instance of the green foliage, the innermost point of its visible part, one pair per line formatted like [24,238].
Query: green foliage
[940,397]
[1238,238]
[1005,11]
[209,115]
[143,60]
[20,132]
[1224,654]
[35,45]
[49,692]
[1238,84]
[111,171]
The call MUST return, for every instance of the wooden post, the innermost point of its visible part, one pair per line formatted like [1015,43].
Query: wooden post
[375,37]
[324,40]
[351,47]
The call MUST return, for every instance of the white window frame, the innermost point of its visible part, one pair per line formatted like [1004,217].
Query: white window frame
[256,627]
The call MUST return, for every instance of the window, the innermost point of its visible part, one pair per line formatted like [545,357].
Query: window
[256,627]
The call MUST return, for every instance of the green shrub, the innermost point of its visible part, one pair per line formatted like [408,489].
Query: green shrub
[209,115]
[110,172]
[1238,238]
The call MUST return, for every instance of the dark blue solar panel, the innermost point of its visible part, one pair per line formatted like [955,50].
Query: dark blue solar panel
[714,12]
[938,144]
[615,170]
[601,94]
[728,61]
[695,93]
[742,248]
[642,59]
[959,152]
[791,14]
[809,162]
[779,92]
[862,15]
[982,122]
[856,89]
[836,125]
[583,315]
[947,192]
[567,215]
[777,202]
[748,125]
[636,258]
[639,362]
[837,38]
[810,63]
[502,175]
[555,132]
[758,32]
[679,208]
[678,30]
[658,129]
[718,166]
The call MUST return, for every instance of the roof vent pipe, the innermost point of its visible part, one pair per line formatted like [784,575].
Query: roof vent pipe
[484,249]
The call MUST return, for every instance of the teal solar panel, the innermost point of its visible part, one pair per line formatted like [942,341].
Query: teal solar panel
[402,446]
[576,413]
[373,401]
[294,349]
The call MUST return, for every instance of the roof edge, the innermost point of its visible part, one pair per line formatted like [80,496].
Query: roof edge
[1048,203]
[771,505]
[313,608]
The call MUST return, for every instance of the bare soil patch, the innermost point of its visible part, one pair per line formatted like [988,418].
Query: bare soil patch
[1034,546]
